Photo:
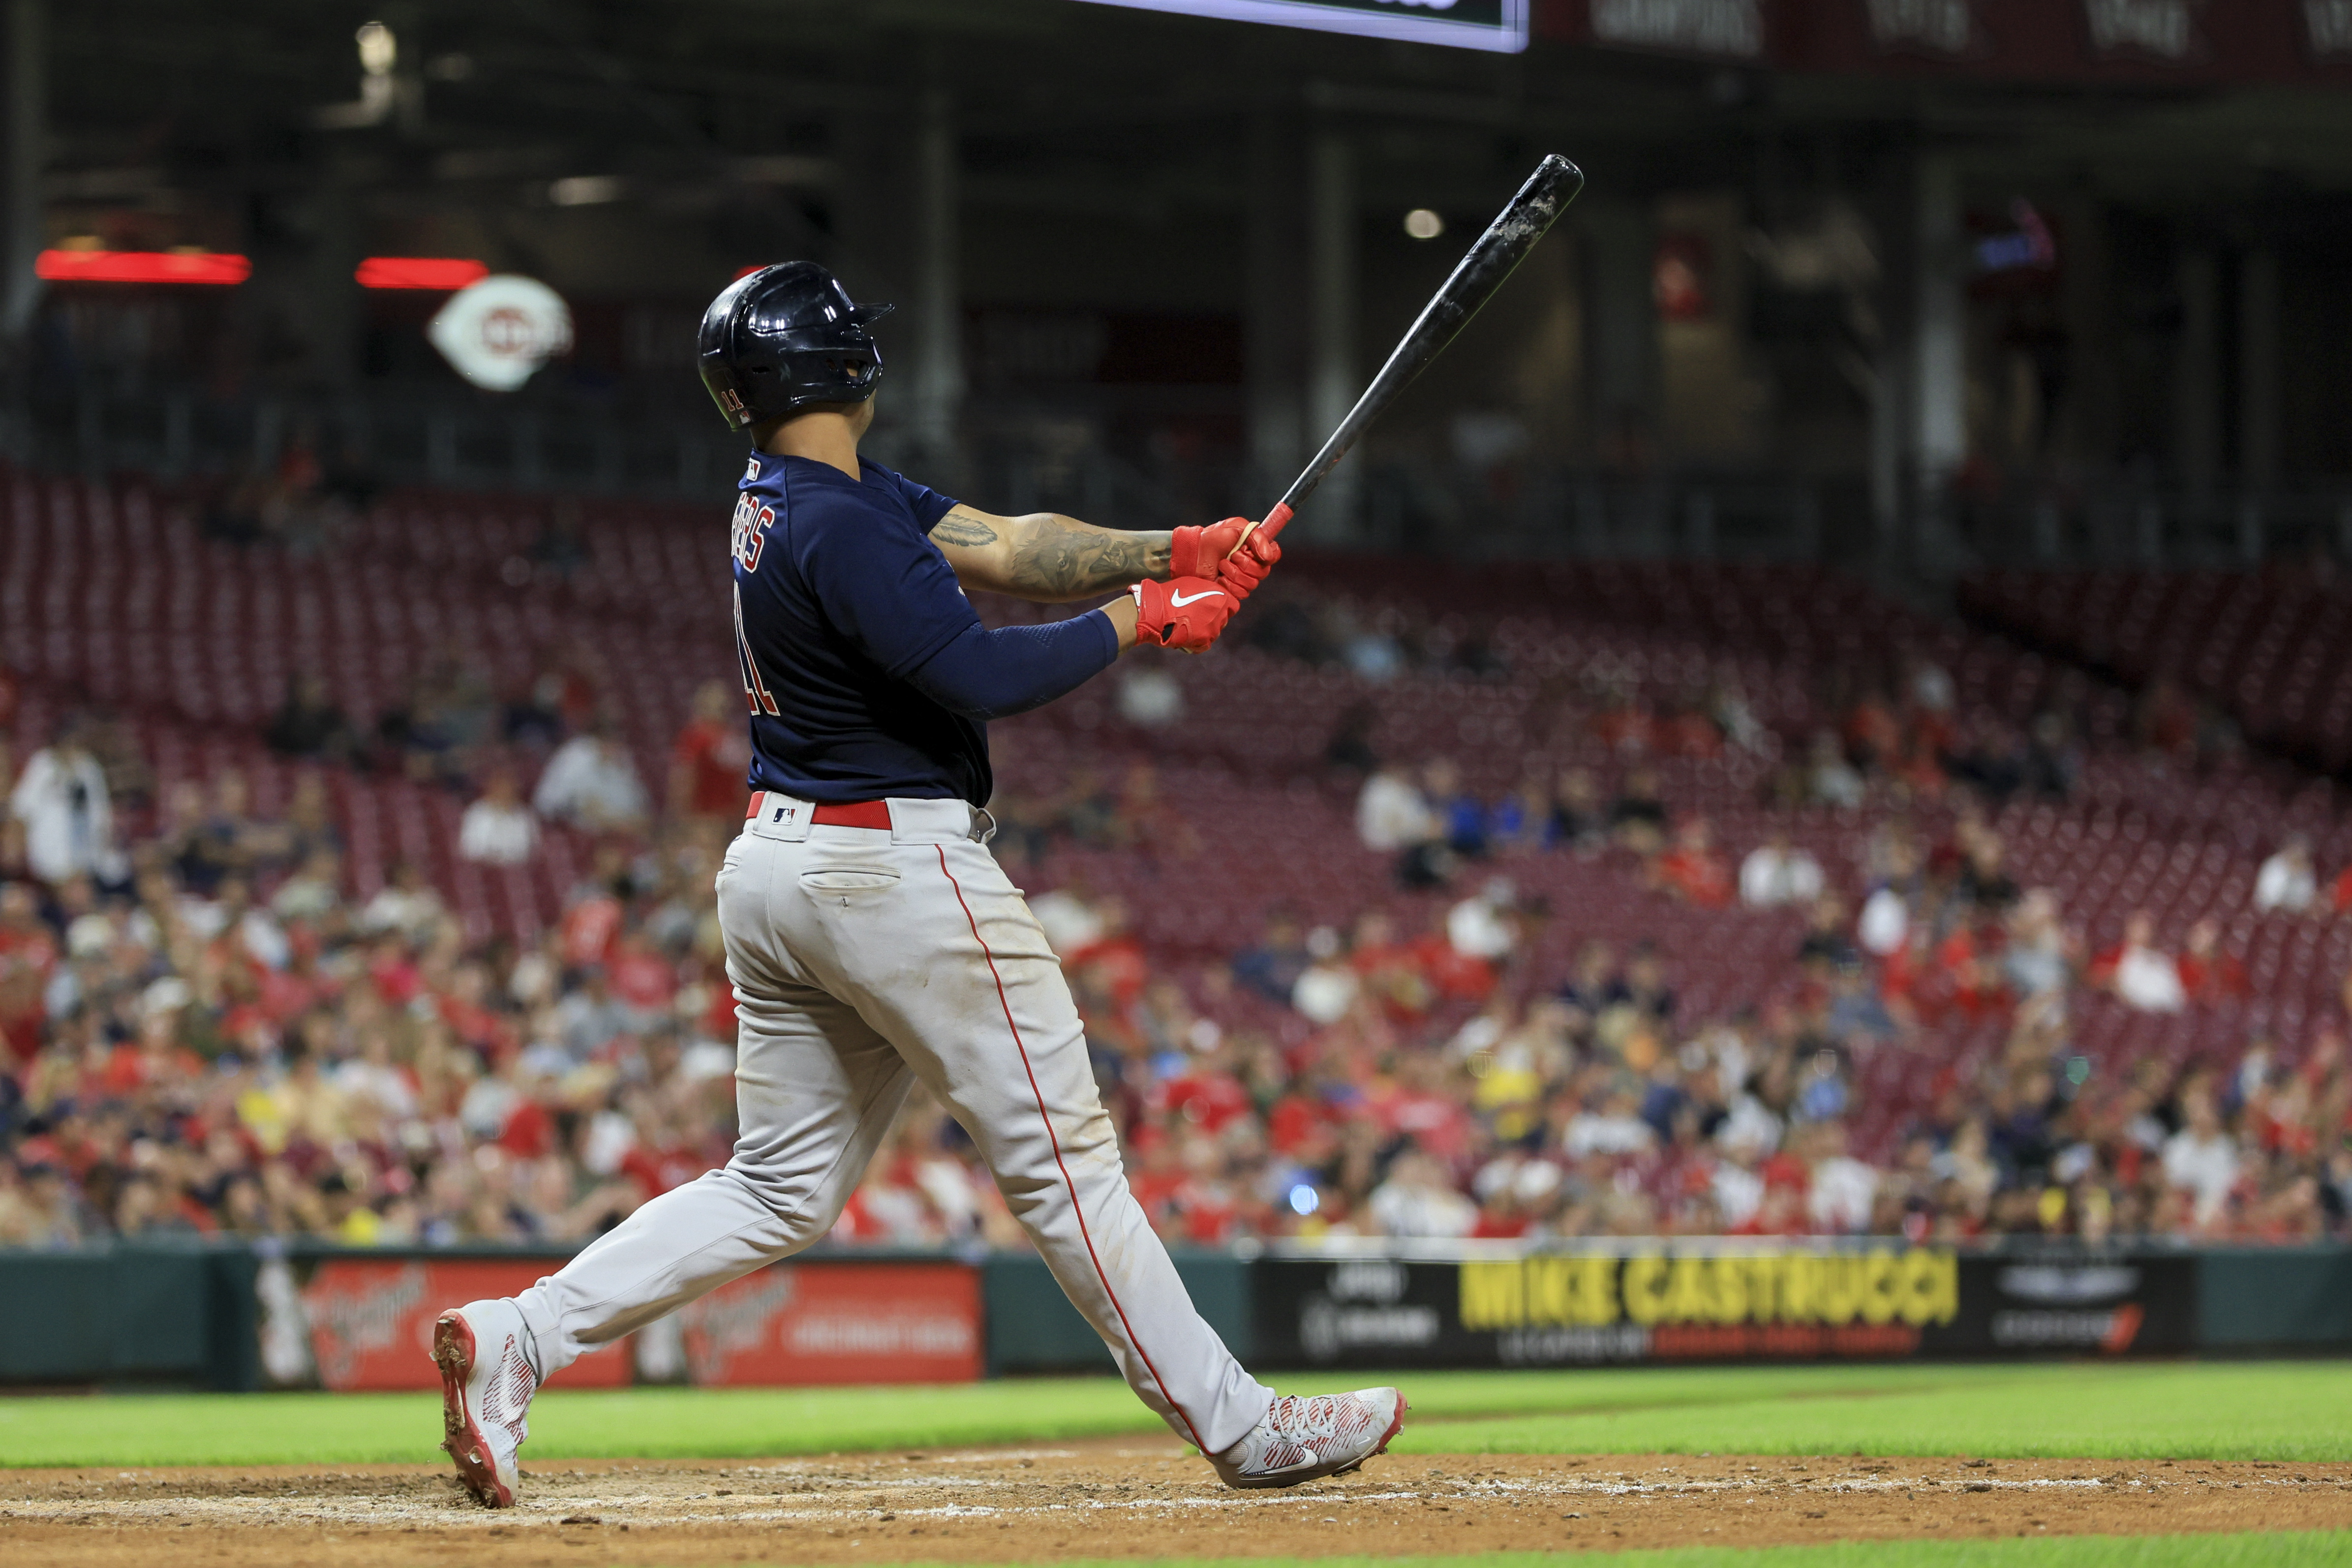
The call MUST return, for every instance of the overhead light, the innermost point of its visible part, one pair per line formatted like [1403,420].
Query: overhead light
[1423,224]
[216,268]
[445,272]
[378,49]
[585,189]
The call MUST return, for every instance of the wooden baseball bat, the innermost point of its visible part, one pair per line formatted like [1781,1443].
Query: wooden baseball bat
[1504,243]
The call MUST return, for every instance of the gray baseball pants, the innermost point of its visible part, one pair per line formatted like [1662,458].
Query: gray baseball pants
[863,959]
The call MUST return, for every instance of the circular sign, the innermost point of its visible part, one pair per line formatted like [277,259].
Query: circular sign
[497,331]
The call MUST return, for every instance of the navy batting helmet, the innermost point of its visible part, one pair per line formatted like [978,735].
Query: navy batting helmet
[780,338]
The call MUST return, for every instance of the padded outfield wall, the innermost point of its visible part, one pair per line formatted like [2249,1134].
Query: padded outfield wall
[233,1316]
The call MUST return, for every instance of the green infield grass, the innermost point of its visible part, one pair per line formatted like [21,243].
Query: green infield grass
[2252,1410]
[2191,1412]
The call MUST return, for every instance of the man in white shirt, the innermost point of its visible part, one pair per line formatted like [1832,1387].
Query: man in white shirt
[1776,873]
[1617,1128]
[2203,1158]
[1391,814]
[2146,977]
[1838,1201]
[499,829]
[67,814]
[1418,1201]
[2286,883]
[591,782]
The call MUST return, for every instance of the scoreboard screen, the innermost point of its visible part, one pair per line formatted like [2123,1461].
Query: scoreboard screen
[1497,25]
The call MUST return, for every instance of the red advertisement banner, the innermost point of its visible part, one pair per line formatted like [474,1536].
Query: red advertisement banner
[371,1319]
[838,1322]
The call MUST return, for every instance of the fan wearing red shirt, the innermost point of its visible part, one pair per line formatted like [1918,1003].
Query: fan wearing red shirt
[1693,871]
[710,765]
[2207,973]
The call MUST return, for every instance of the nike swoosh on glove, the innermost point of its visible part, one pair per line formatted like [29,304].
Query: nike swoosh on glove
[1184,612]
[1210,553]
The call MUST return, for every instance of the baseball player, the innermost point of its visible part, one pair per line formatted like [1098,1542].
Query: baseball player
[871,937]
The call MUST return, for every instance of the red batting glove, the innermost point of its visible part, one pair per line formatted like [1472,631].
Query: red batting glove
[1184,612]
[1210,553]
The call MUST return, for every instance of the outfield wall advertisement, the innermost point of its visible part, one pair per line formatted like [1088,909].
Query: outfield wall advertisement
[356,1322]
[1658,1305]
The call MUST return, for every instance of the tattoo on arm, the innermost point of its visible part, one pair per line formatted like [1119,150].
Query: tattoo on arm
[961,527]
[1065,559]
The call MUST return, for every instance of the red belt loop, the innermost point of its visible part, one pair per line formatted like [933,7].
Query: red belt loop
[854,814]
[752,810]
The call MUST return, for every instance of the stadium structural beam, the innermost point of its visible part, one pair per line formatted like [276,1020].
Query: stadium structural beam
[2258,368]
[1938,400]
[938,311]
[1332,386]
[25,132]
[1275,340]
[2197,370]
[1618,242]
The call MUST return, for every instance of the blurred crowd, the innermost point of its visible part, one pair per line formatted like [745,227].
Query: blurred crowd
[203,1032]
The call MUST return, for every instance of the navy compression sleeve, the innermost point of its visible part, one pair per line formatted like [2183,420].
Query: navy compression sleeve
[984,674]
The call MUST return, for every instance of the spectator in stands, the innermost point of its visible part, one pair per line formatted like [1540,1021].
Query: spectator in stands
[1419,1199]
[1327,987]
[1610,1124]
[1692,871]
[67,814]
[1577,816]
[1776,873]
[1272,968]
[2208,972]
[2053,759]
[499,829]
[2039,960]
[710,764]
[1637,817]
[1462,819]
[2201,1160]
[1393,817]
[308,723]
[2141,975]
[590,783]
[1485,926]
[1839,1188]
[2287,884]
[1825,940]
[1829,779]
[406,905]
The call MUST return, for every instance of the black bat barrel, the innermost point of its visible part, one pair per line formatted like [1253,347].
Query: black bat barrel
[1501,249]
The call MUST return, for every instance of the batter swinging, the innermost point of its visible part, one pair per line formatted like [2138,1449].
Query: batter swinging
[871,938]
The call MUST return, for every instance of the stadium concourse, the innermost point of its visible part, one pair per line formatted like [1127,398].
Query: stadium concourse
[347,890]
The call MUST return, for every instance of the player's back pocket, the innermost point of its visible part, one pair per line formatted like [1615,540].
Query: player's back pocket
[848,880]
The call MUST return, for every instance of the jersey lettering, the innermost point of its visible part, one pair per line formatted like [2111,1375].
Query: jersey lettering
[748,535]
[755,688]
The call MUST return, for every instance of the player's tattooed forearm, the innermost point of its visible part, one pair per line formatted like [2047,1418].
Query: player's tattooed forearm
[1075,562]
[960,527]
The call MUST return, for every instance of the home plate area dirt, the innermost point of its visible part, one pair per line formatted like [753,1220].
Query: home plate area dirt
[1116,1500]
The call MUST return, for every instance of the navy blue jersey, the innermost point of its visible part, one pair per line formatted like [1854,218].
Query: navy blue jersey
[839,595]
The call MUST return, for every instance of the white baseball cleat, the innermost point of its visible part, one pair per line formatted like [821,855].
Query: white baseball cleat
[486,1381]
[1302,1439]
